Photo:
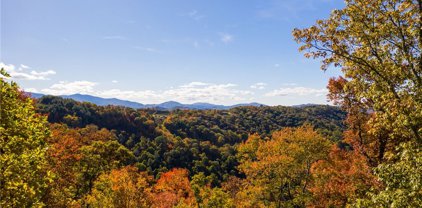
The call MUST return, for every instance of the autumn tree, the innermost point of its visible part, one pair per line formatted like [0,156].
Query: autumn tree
[342,178]
[63,156]
[121,188]
[377,45]
[279,171]
[23,174]
[76,157]
[173,188]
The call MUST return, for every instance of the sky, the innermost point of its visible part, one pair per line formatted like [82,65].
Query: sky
[221,52]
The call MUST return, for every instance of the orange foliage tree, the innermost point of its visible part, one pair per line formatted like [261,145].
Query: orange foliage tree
[173,188]
[342,178]
[77,157]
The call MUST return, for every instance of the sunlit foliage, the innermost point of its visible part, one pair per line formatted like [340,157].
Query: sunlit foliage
[279,172]
[24,176]
[377,44]
[125,188]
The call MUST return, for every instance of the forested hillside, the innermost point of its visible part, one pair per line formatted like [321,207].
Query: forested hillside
[366,152]
[202,141]
[90,146]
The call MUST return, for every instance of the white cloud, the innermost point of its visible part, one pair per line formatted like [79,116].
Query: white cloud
[30,90]
[147,49]
[67,88]
[194,84]
[226,38]
[187,93]
[206,92]
[25,66]
[289,84]
[139,96]
[22,73]
[114,81]
[259,86]
[301,91]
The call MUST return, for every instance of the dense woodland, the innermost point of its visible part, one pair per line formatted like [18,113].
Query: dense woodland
[366,152]
[201,141]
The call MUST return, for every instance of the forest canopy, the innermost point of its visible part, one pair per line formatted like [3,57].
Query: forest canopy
[363,152]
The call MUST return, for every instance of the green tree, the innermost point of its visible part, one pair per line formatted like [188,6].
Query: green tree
[97,158]
[206,196]
[23,174]
[402,180]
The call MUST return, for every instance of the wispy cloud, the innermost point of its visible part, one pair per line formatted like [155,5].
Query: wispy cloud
[24,66]
[114,37]
[114,81]
[31,90]
[194,84]
[187,93]
[195,15]
[22,73]
[259,86]
[207,92]
[67,88]
[300,91]
[147,49]
[226,38]
[289,84]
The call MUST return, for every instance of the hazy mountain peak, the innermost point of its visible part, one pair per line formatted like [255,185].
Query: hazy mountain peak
[169,105]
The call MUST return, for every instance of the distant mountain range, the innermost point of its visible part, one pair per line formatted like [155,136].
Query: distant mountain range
[170,105]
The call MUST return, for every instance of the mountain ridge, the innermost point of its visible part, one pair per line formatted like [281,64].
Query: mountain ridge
[168,105]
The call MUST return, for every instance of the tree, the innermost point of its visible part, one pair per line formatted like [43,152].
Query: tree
[97,158]
[377,44]
[402,180]
[279,171]
[125,187]
[63,157]
[342,178]
[206,196]
[76,157]
[173,188]
[23,174]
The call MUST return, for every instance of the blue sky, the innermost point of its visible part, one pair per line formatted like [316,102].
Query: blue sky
[222,52]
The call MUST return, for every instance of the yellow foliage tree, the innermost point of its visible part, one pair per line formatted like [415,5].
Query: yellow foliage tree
[377,44]
[121,188]
[23,173]
[278,173]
